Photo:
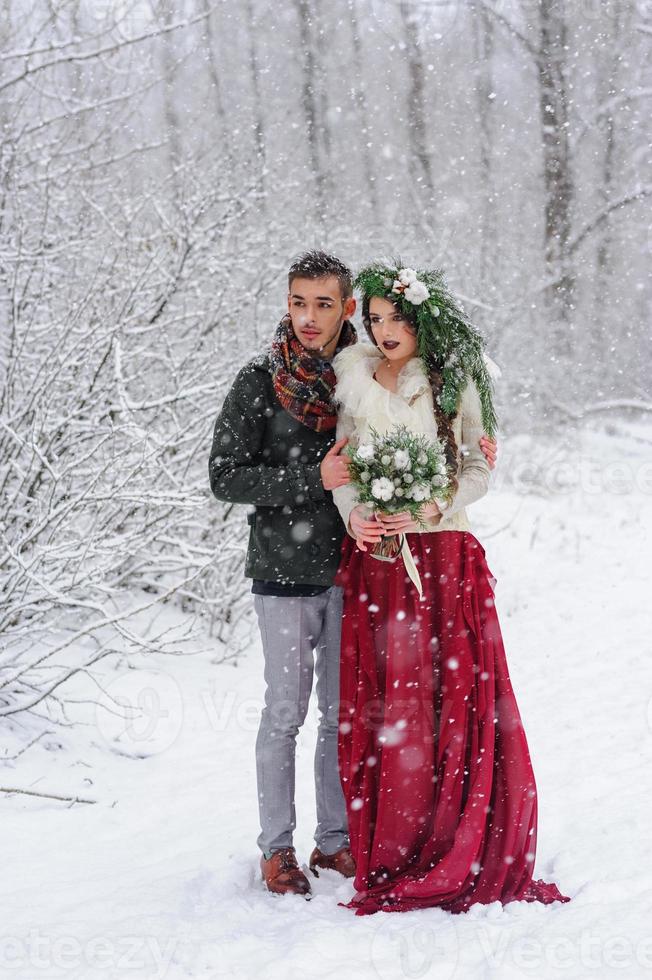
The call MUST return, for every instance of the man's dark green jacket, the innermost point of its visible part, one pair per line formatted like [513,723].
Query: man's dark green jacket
[263,457]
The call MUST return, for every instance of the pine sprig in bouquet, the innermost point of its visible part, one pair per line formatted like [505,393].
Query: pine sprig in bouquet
[399,471]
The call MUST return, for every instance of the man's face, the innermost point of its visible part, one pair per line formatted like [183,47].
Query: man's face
[317,310]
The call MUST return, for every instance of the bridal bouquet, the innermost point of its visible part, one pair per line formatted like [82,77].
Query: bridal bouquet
[398,472]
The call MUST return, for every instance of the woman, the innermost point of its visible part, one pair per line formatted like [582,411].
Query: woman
[440,792]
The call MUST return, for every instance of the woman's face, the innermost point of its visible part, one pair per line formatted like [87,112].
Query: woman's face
[395,336]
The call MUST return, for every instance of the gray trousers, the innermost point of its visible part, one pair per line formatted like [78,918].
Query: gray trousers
[292,630]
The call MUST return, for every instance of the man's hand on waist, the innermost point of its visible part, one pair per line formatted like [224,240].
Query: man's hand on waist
[334,468]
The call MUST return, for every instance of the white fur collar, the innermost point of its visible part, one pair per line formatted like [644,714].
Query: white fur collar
[355,367]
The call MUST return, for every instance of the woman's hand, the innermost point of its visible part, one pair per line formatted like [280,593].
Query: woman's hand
[429,511]
[404,523]
[363,527]
[490,449]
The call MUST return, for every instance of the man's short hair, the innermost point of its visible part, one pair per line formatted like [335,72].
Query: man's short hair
[319,265]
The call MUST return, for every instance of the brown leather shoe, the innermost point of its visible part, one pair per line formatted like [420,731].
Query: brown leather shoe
[341,861]
[282,874]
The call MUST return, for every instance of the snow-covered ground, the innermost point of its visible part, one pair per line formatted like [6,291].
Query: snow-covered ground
[159,878]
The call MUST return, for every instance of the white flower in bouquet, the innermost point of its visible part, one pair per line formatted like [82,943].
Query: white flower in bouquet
[401,459]
[407,276]
[416,293]
[421,492]
[366,452]
[365,476]
[382,489]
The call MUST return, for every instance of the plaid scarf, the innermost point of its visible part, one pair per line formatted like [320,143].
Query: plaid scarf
[304,384]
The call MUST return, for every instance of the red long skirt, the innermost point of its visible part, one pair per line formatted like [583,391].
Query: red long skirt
[439,787]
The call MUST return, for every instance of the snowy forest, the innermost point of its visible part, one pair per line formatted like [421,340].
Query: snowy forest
[161,165]
[162,162]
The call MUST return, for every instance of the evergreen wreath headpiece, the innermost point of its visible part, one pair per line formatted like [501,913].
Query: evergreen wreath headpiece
[446,339]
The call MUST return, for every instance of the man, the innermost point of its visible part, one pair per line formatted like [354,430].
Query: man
[273,449]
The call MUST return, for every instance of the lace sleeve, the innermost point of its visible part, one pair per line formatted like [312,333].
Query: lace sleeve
[474,473]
